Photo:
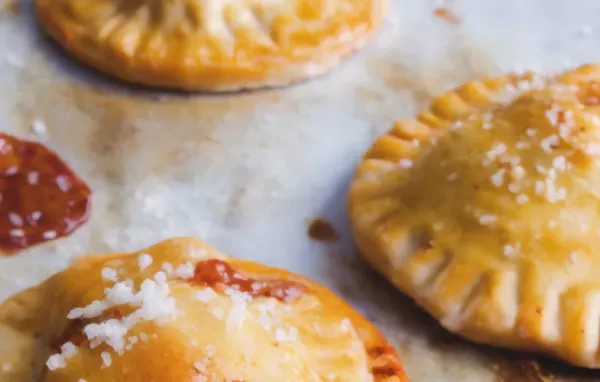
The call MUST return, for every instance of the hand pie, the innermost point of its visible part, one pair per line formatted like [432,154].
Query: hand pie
[211,45]
[485,210]
[180,311]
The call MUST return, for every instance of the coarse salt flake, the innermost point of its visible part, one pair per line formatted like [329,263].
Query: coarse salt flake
[184,271]
[206,295]
[522,199]
[39,127]
[106,359]
[33,177]
[16,232]
[405,163]
[15,219]
[109,274]
[49,235]
[290,335]
[487,219]
[144,261]
[497,178]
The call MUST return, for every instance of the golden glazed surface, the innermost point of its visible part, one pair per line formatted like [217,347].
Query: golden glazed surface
[201,331]
[485,210]
[212,45]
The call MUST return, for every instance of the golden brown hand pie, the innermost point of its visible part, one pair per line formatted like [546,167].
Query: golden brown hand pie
[486,210]
[213,45]
[180,311]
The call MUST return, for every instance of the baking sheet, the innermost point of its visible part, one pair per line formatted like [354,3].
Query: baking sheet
[248,172]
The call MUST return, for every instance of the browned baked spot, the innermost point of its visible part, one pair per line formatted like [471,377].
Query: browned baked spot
[385,362]
[41,198]
[220,275]
[321,230]
[447,15]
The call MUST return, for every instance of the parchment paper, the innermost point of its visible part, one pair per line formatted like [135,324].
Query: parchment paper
[247,172]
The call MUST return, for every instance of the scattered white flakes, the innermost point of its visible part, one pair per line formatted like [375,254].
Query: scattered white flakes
[514,188]
[405,163]
[520,145]
[517,172]
[6,367]
[496,150]
[36,215]
[487,121]
[522,199]
[167,267]
[33,177]
[541,169]
[82,380]
[16,233]
[63,183]
[592,148]
[552,223]
[487,219]
[152,300]
[552,114]
[548,143]
[68,350]
[185,271]
[111,332]
[452,177]
[553,193]
[201,367]
[59,361]
[109,274]
[12,170]
[106,359]
[510,250]
[531,132]
[559,163]
[513,160]
[15,219]
[497,178]
[290,335]
[39,127]
[237,313]
[539,187]
[92,310]
[55,362]
[346,325]
[144,261]
[49,235]
[143,337]
[206,295]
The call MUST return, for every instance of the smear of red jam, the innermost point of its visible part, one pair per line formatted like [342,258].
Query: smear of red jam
[385,362]
[219,274]
[41,198]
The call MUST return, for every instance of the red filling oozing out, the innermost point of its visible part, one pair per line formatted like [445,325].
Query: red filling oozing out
[41,198]
[219,274]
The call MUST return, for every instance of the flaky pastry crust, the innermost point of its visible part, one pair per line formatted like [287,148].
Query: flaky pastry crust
[211,45]
[484,209]
[199,332]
